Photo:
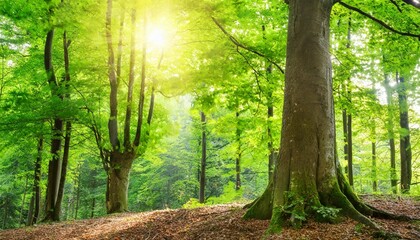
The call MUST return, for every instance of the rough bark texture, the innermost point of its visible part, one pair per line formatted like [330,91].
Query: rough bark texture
[118,178]
[306,177]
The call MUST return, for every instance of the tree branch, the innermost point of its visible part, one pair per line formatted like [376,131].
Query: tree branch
[382,23]
[396,5]
[415,4]
[240,45]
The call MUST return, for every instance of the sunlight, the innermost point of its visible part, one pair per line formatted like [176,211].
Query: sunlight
[156,38]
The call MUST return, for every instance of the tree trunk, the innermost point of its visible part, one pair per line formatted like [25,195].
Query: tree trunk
[238,154]
[374,168]
[33,217]
[67,137]
[390,129]
[306,176]
[23,201]
[92,210]
[76,210]
[203,158]
[118,178]
[350,148]
[405,145]
[117,161]
[54,167]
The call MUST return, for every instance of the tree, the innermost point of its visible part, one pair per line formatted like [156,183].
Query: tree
[203,158]
[118,159]
[308,175]
[405,145]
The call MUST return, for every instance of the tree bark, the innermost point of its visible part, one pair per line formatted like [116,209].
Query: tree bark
[405,145]
[54,167]
[203,158]
[118,179]
[306,176]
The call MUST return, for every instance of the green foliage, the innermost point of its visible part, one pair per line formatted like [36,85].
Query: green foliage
[326,214]
[294,209]
[193,203]
[201,70]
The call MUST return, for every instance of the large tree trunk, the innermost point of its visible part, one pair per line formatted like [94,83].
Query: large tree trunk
[405,145]
[307,173]
[118,178]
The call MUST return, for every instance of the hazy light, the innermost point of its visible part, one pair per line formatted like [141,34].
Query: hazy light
[157,38]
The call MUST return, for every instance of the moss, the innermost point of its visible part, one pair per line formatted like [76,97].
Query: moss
[262,207]
[276,223]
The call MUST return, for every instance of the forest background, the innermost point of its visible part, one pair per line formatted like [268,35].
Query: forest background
[211,78]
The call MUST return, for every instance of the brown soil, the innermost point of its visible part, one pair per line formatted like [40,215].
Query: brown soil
[217,222]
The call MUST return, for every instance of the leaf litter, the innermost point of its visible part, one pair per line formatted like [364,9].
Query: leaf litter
[218,222]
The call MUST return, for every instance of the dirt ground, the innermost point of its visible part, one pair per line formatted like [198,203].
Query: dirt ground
[217,222]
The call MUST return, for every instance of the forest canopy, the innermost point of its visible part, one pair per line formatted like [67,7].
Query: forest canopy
[114,106]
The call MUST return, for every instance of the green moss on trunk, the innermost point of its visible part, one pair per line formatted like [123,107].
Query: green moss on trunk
[262,207]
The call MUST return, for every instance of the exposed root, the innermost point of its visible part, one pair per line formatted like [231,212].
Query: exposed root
[363,208]
[262,207]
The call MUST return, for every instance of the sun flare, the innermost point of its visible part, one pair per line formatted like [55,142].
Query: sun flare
[156,38]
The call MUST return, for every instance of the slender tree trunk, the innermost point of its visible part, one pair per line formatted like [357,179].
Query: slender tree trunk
[390,129]
[23,201]
[374,168]
[36,192]
[127,124]
[349,123]
[67,137]
[92,210]
[350,149]
[270,114]
[405,145]
[238,153]
[30,211]
[54,167]
[203,158]
[77,201]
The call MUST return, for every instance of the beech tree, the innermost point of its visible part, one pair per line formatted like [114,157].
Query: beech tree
[118,158]
[308,175]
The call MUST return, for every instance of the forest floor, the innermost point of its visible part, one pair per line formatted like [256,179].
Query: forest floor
[218,222]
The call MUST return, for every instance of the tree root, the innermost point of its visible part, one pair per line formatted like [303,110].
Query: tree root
[261,208]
